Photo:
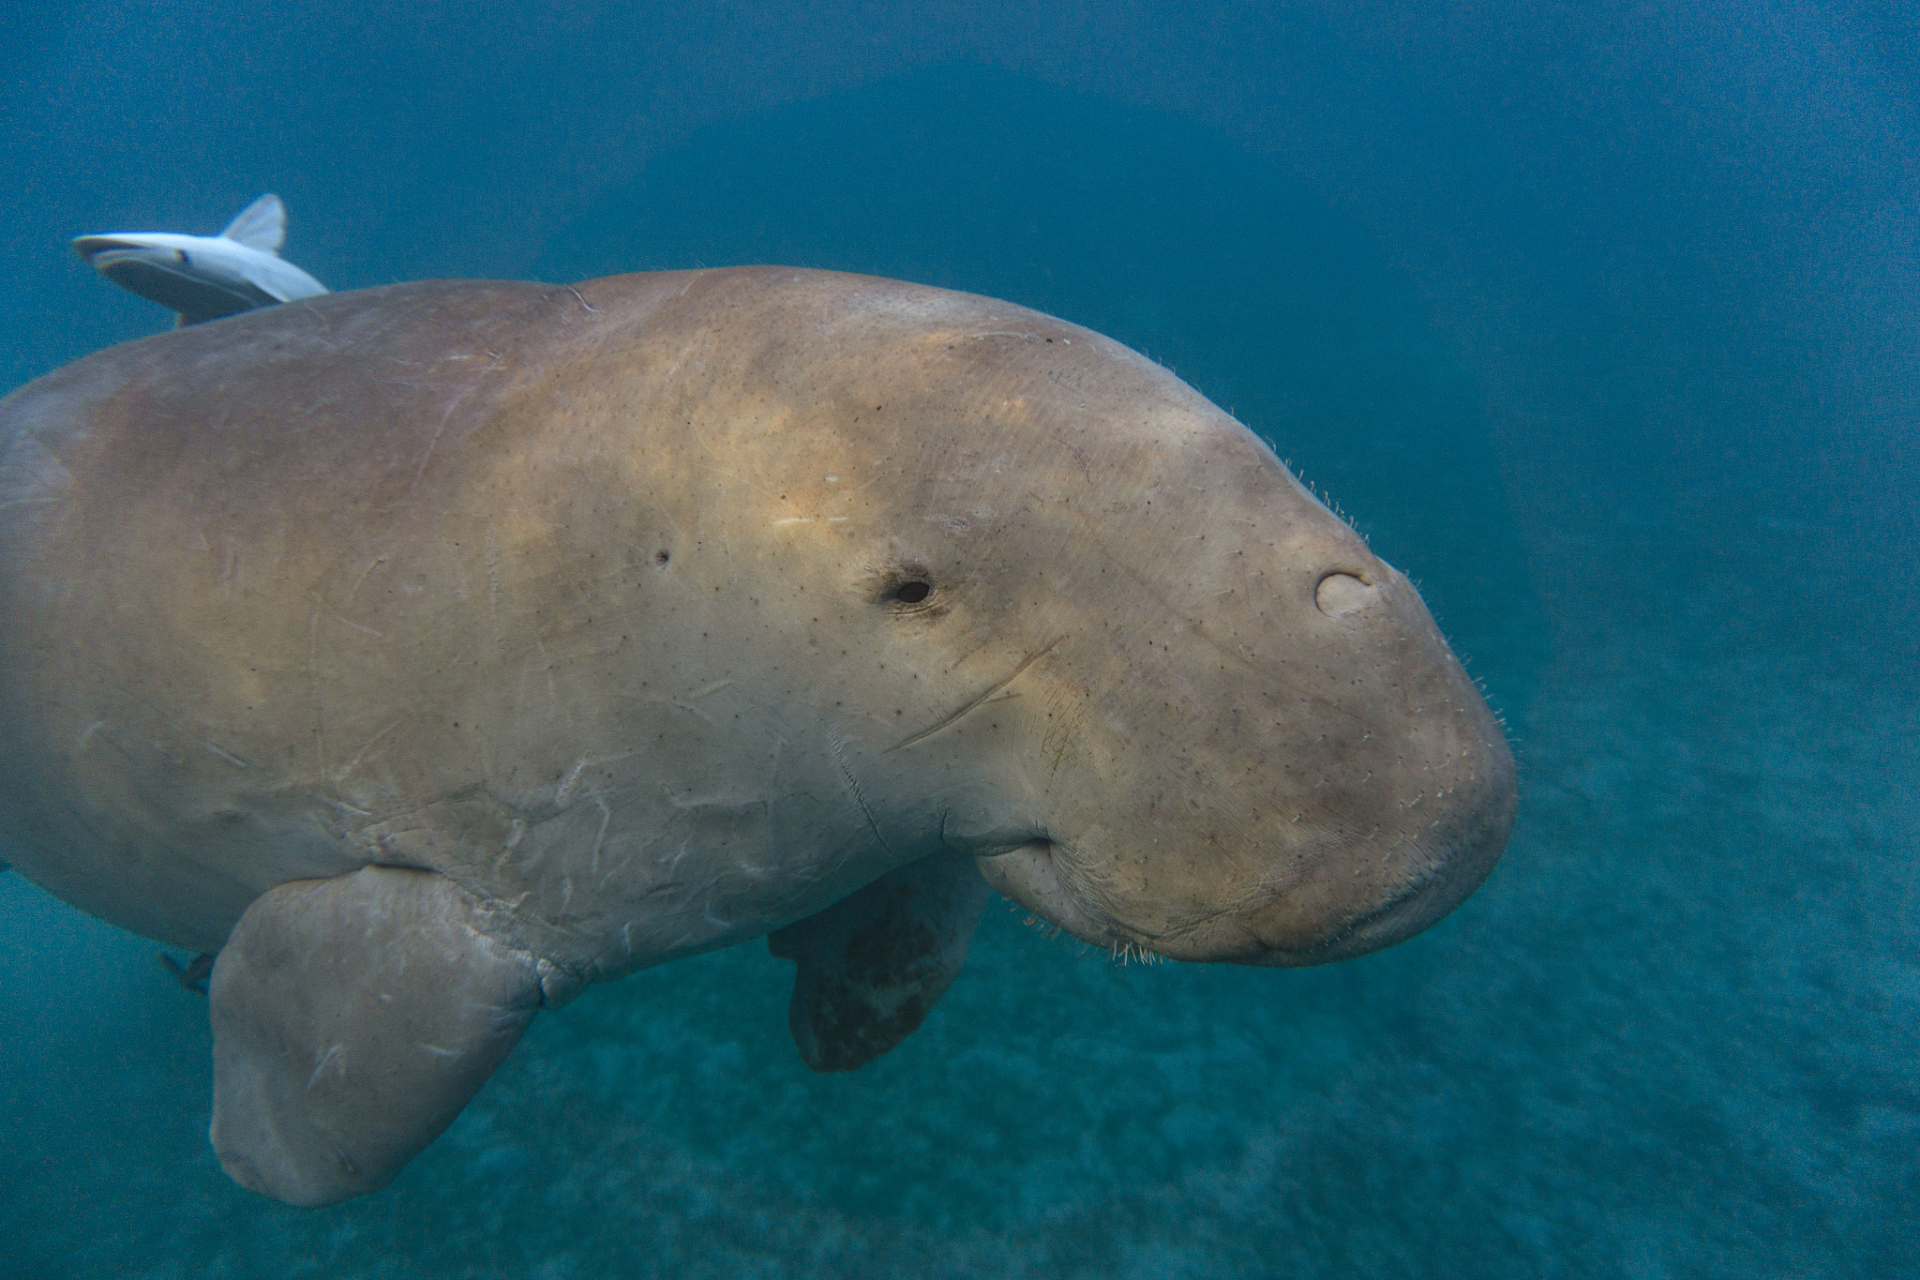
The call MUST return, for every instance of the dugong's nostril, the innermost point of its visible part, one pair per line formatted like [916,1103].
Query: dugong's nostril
[1340,594]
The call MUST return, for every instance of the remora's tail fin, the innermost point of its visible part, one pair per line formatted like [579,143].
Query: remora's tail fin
[261,225]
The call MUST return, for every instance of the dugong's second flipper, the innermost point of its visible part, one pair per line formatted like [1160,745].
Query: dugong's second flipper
[352,1019]
[872,965]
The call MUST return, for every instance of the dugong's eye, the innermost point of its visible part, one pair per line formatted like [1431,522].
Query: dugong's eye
[907,588]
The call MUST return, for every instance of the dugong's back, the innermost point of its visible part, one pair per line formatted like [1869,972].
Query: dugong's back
[174,513]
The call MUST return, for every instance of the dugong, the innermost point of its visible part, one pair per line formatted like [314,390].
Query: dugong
[432,652]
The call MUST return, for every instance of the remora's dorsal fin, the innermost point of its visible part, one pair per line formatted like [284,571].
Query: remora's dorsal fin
[261,225]
[352,1019]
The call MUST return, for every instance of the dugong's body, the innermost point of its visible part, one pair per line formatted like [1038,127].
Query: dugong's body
[433,651]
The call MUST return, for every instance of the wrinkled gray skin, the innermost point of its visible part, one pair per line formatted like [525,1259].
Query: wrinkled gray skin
[433,651]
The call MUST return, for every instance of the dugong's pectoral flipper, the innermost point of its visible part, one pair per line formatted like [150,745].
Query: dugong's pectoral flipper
[352,1019]
[872,964]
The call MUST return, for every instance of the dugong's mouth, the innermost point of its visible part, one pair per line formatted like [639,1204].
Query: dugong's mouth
[1031,875]
[1268,929]
[1027,873]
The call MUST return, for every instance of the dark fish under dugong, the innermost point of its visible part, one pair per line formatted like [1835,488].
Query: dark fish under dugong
[434,651]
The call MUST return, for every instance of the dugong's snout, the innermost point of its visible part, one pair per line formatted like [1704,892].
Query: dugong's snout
[1316,781]
[1441,872]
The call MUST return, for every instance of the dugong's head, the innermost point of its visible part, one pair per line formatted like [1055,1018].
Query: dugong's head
[1069,617]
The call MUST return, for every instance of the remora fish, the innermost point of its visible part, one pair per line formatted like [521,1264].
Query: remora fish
[205,277]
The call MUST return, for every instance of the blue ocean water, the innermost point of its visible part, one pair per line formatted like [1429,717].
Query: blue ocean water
[1599,321]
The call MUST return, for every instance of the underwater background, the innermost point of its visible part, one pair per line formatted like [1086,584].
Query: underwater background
[1601,321]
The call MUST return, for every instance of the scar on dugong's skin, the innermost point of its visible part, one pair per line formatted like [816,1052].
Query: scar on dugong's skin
[431,652]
